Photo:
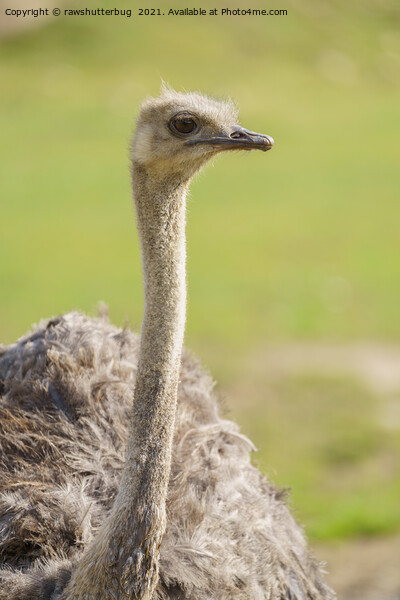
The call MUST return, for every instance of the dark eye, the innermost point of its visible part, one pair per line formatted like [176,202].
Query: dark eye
[183,124]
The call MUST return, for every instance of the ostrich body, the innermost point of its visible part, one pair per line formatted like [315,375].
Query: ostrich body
[119,480]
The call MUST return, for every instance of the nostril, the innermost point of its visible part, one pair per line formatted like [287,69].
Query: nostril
[238,135]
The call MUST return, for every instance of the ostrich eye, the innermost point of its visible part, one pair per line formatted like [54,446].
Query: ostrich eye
[183,124]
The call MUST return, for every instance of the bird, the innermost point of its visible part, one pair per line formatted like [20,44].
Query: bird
[119,477]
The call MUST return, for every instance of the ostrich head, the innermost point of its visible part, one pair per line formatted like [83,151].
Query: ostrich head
[179,132]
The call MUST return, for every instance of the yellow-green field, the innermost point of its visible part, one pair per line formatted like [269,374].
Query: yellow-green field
[300,243]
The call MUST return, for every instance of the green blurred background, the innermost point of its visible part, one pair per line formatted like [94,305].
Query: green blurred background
[299,245]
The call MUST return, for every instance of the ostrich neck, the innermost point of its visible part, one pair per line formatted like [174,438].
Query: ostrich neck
[122,561]
[160,208]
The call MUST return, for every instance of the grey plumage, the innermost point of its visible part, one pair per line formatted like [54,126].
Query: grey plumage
[66,396]
[67,390]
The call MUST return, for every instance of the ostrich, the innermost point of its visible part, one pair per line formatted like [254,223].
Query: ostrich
[119,479]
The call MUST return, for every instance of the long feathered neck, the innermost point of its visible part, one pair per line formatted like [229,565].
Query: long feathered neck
[122,561]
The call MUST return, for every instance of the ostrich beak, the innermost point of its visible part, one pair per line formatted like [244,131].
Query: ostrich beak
[239,139]
[244,139]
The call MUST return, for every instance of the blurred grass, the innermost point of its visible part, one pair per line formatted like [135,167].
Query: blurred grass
[327,437]
[300,243]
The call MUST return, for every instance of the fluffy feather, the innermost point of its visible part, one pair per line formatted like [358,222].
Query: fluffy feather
[66,393]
